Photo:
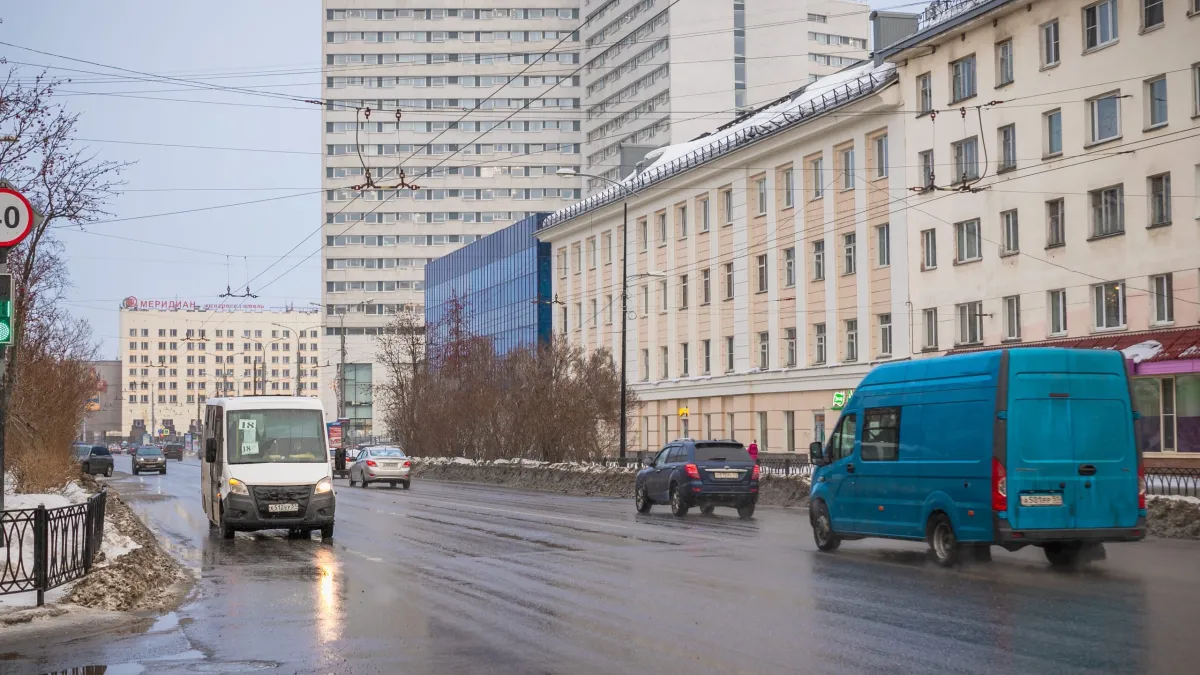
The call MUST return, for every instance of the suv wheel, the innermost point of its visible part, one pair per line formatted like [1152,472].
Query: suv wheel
[679,508]
[641,501]
[108,471]
[746,511]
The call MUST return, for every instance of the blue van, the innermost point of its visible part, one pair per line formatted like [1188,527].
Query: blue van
[1011,448]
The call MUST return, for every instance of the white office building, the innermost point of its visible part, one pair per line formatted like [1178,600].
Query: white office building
[656,74]
[479,105]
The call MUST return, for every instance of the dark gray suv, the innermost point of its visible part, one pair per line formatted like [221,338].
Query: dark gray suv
[94,459]
[149,458]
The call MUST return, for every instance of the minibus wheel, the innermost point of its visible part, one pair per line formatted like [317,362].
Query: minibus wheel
[943,544]
[822,527]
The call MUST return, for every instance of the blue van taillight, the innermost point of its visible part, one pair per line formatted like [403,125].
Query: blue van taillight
[1141,487]
[999,486]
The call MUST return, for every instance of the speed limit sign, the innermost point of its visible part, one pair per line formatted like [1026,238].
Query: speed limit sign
[16,217]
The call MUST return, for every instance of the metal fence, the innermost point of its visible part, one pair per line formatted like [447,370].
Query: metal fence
[46,548]
[1173,482]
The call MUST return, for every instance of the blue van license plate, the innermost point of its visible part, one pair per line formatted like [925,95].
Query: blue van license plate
[1041,500]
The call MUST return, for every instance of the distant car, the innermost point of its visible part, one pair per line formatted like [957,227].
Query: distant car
[94,459]
[149,458]
[381,464]
[706,474]
[173,451]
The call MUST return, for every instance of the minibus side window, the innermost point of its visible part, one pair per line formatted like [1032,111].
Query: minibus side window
[881,435]
[842,443]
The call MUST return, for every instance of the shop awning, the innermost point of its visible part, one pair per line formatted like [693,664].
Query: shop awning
[1152,346]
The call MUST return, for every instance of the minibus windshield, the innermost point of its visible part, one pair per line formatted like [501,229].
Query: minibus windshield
[261,436]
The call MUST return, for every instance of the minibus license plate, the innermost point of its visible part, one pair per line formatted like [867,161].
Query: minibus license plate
[1041,500]
[725,474]
[282,508]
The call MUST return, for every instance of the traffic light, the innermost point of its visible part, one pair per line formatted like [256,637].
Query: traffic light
[6,314]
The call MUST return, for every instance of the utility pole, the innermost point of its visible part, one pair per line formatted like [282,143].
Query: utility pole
[341,372]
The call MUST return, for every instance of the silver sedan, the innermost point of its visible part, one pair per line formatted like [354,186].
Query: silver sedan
[381,464]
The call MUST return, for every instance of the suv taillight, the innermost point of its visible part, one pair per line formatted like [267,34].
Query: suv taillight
[693,471]
[1141,486]
[754,474]
[999,486]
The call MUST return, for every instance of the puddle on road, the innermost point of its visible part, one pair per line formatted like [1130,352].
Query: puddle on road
[137,669]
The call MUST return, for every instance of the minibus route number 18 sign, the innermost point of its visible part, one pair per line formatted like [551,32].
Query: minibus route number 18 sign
[16,217]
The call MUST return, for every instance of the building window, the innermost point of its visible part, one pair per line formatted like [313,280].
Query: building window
[1008,147]
[848,169]
[789,267]
[606,246]
[1156,101]
[761,264]
[1160,199]
[970,323]
[885,334]
[662,295]
[579,316]
[728,281]
[1050,50]
[591,253]
[1196,75]
[1004,63]
[578,251]
[645,235]
[608,310]
[851,339]
[681,213]
[661,219]
[789,430]
[962,76]
[884,244]
[925,93]
[1164,300]
[966,159]
[789,342]
[1100,24]
[928,249]
[593,310]
[1152,13]
[1053,126]
[931,328]
[967,244]
[1108,211]
[706,345]
[563,320]
[817,167]
[664,356]
[764,350]
[683,359]
[683,291]
[705,287]
[881,156]
[645,365]
[1105,118]
[818,260]
[727,201]
[729,354]
[1056,228]
[850,249]
[1058,312]
[1108,301]
[705,224]
[562,269]
[1012,317]
[819,343]
[789,187]
[925,159]
[1010,231]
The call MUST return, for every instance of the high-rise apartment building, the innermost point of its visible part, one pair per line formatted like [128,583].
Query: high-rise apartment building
[656,74]
[479,106]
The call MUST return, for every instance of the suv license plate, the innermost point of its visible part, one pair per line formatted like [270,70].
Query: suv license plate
[725,474]
[1041,500]
[282,508]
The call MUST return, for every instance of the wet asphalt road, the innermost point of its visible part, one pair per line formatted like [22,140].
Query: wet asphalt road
[450,578]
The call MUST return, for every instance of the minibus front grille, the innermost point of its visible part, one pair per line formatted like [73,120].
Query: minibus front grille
[265,495]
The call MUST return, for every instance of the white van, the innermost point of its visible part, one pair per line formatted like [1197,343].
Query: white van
[265,465]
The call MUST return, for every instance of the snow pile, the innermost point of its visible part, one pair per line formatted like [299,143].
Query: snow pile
[1174,517]
[1142,351]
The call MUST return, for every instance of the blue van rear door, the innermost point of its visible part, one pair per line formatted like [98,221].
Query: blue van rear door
[1072,461]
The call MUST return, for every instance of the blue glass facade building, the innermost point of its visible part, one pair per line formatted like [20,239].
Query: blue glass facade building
[502,280]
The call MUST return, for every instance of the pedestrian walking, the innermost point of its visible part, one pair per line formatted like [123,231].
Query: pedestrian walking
[753,450]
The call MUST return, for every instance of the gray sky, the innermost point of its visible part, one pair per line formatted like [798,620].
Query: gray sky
[274,45]
[191,40]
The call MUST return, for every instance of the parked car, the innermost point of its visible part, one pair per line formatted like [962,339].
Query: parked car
[1041,452]
[173,451]
[94,459]
[149,458]
[381,464]
[706,474]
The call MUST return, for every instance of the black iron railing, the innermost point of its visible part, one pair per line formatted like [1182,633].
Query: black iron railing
[46,548]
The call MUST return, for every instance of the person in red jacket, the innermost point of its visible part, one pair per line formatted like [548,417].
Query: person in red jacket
[753,450]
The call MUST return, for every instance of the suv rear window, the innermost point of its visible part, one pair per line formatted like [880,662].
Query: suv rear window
[728,452]
[99,450]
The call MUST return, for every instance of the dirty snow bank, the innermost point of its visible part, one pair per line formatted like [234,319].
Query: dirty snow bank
[1173,517]
[580,478]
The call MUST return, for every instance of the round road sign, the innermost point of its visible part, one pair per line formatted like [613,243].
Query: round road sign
[16,217]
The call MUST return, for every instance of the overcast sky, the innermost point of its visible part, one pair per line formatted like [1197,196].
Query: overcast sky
[274,45]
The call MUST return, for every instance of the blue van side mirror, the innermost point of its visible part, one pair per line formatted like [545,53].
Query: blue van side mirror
[816,453]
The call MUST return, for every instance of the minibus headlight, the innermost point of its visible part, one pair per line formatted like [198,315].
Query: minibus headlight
[237,487]
[324,485]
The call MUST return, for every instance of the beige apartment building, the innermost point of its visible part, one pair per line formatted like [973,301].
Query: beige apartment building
[175,354]
[1055,150]
[479,105]
[656,73]
[762,280]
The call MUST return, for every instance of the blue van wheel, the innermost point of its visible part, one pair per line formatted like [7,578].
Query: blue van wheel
[943,544]
[822,527]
